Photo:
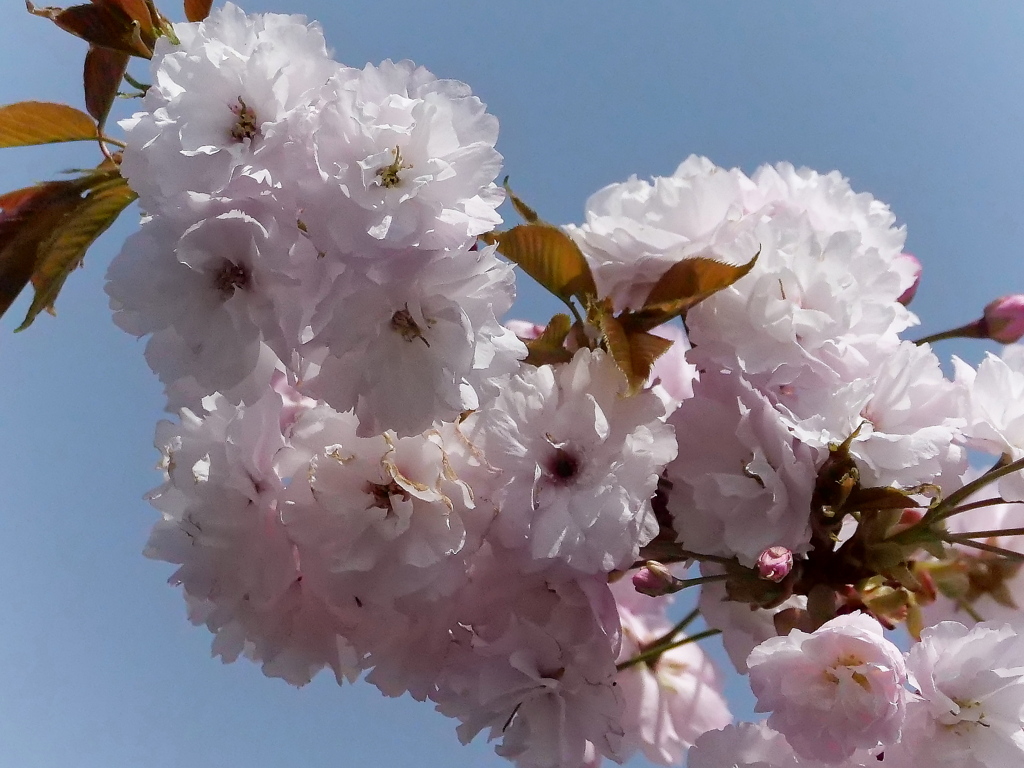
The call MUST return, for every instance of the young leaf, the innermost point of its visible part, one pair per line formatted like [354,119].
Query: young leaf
[108,25]
[104,69]
[549,347]
[136,10]
[522,208]
[42,122]
[633,352]
[684,285]
[31,216]
[549,256]
[64,250]
[197,10]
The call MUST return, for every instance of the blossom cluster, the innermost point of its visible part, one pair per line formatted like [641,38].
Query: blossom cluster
[370,473]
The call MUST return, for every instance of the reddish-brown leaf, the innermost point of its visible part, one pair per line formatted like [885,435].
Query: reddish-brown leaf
[29,217]
[43,122]
[136,10]
[104,69]
[107,25]
[23,226]
[197,10]
[64,249]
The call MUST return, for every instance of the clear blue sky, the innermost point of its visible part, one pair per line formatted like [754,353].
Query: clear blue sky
[918,103]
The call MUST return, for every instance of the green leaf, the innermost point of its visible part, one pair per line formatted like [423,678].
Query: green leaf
[549,347]
[64,250]
[549,256]
[197,10]
[104,69]
[684,285]
[41,122]
[633,352]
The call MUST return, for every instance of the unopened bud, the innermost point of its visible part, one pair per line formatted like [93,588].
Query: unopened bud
[654,580]
[524,329]
[1004,319]
[775,563]
[914,267]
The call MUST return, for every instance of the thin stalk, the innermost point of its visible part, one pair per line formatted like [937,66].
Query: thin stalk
[680,584]
[655,651]
[575,312]
[135,83]
[990,534]
[942,509]
[706,558]
[1009,554]
[974,505]
[969,331]
[681,626]
[969,610]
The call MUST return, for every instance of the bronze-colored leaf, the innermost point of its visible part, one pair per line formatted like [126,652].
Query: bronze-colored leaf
[104,69]
[42,122]
[549,347]
[65,248]
[23,225]
[633,352]
[549,256]
[10,200]
[522,208]
[108,25]
[197,10]
[684,285]
[136,10]
[29,217]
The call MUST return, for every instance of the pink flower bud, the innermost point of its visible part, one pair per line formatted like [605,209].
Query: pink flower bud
[524,329]
[914,267]
[654,579]
[1004,319]
[775,563]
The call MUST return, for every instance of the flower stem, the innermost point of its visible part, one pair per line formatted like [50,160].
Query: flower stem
[945,508]
[681,626]
[654,652]
[1009,554]
[969,331]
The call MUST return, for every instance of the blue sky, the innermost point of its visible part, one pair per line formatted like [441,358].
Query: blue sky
[918,103]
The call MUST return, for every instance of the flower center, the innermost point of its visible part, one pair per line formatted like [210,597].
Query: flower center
[562,467]
[245,126]
[230,277]
[407,328]
[388,175]
[382,493]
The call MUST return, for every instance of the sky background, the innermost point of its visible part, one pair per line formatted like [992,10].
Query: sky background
[919,103]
